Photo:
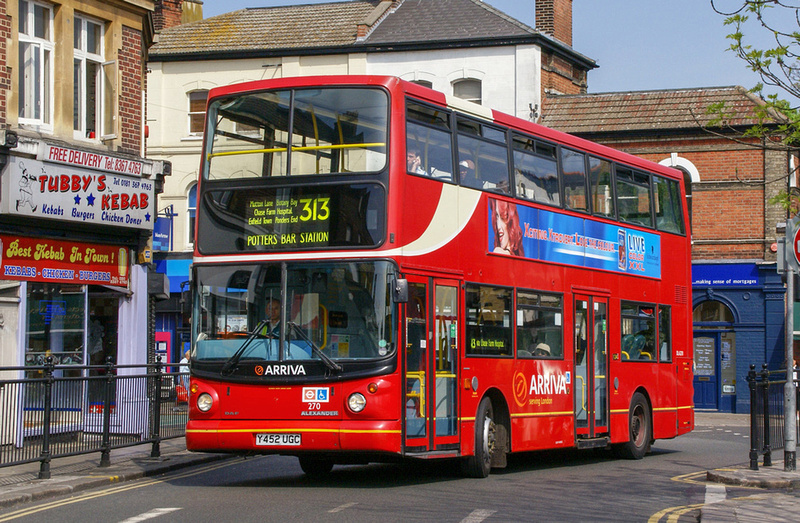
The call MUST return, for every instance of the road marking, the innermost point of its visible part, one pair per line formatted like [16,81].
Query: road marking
[342,507]
[155,513]
[478,515]
[715,494]
[114,490]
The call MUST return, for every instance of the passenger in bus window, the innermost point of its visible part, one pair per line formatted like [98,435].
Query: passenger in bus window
[542,349]
[507,230]
[467,170]
[413,160]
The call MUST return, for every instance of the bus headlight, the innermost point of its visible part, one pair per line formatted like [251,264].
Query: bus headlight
[204,402]
[356,402]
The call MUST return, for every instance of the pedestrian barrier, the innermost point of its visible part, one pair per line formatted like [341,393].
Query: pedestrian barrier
[766,413]
[50,411]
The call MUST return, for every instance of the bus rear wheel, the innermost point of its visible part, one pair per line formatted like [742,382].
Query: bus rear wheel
[639,429]
[480,463]
[315,466]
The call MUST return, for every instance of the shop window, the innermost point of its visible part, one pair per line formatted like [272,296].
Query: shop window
[488,321]
[36,49]
[712,312]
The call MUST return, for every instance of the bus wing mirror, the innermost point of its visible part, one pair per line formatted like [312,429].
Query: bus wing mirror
[400,291]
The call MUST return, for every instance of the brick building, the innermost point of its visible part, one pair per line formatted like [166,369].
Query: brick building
[738,296]
[77,194]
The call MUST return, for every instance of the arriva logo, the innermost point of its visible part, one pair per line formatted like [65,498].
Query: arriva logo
[540,385]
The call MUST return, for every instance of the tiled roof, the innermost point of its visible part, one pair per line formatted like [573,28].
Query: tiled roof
[439,20]
[328,25]
[646,110]
[285,27]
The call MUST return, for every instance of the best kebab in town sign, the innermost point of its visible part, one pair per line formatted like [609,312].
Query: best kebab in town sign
[79,186]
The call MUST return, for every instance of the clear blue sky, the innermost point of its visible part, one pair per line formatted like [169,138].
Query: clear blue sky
[637,44]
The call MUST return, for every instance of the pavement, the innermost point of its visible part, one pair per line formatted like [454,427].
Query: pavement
[772,486]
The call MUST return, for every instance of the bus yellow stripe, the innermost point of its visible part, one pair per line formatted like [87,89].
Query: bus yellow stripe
[259,430]
[542,414]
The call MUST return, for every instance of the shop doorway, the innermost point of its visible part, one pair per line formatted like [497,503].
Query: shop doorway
[714,357]
[101,345]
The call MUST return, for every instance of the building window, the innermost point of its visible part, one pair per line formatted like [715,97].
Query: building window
[35,63]
[191,208]
[423,83]
[469,90]
[93,82]
[197,112]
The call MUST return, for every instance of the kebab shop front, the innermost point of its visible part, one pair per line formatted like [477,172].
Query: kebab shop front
[71,283]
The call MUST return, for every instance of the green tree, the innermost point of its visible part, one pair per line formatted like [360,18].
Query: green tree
[778,119]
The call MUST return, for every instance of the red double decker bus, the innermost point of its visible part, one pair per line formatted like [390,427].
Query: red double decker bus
[384,272]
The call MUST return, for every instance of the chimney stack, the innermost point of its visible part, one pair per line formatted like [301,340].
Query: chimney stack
[554,18]
[167,14]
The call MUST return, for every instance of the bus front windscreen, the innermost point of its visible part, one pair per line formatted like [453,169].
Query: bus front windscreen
[333,312]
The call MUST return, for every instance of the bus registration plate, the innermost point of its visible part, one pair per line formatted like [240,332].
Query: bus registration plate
[278,439]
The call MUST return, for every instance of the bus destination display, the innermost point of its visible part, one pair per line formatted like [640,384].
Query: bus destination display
[289,222]
[291,218]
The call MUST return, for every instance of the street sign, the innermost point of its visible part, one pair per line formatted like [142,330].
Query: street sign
[791,252]
[796,246]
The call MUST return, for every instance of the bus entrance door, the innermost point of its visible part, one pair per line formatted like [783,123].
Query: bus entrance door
[431,366]
[591,380]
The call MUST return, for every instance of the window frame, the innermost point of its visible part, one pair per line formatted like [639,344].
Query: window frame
[41,87]
[468,82]
[509,315]
[191,214]
[636,317]
[196,116]
[101,96]
[539,307]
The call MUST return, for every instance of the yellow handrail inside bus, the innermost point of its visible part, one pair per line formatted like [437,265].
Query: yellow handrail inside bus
[301,148]
[583,394]
[420,377]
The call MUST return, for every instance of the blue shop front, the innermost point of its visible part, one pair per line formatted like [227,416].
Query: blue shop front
[738,317]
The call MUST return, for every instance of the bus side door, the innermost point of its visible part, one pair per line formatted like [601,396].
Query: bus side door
[431,365]
[591,366]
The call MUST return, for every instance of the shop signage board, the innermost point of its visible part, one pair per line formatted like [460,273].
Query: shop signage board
[55,261]
[55,191]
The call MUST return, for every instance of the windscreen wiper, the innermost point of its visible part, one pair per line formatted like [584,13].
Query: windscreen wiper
[325,359]
[230,365]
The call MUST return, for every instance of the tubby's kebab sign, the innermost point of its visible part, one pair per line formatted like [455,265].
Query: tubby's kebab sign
[79,186]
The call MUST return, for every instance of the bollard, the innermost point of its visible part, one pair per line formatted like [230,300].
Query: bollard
[105,445]
[765,400]
[49,369]
[751,382]
[155,452]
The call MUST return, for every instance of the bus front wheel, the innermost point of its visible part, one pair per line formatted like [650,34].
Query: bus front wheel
[639,429]
[315,466]
[480,463]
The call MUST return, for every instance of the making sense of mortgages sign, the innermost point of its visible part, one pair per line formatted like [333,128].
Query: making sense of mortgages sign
[571,240]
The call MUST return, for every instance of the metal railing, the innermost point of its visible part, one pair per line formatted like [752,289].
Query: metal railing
[766,413]
[51,411]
